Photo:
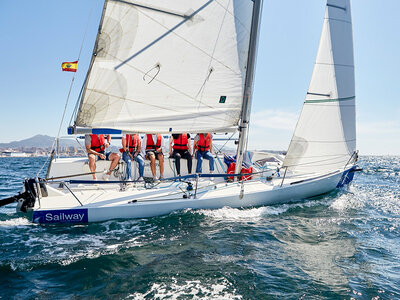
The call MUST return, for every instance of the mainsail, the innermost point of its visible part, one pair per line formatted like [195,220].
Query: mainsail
[168,66]
[325,136]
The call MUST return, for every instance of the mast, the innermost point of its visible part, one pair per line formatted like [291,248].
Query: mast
[248,88]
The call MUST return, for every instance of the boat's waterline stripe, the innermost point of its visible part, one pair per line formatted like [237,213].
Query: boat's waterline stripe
[330,100]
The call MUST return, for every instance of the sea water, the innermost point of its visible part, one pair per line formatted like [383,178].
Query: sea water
[343,245]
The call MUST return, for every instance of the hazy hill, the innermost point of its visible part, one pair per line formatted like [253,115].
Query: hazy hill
[38,141]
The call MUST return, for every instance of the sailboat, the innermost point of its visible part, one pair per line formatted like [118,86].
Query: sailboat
[188,66]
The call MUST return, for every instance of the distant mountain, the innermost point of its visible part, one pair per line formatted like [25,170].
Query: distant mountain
[38,141]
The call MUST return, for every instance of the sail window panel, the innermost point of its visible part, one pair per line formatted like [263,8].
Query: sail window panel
[337,13]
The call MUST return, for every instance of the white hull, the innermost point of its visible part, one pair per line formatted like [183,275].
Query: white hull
[105,202]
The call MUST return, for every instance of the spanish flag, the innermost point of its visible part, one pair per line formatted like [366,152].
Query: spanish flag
[70,66]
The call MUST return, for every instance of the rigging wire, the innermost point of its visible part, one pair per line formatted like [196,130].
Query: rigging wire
[55,143]
[220,148]
[73,78]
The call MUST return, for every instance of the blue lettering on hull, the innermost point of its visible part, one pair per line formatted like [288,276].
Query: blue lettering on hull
[60,216]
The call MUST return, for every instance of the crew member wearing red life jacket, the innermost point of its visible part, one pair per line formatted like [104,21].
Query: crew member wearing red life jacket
[179,147]
[96,145]
[152,149]
[203,147]
[131,151]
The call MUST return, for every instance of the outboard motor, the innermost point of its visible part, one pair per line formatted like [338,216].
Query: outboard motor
[28,197]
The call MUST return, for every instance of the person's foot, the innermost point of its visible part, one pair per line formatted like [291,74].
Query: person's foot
[161,177]
[140,179]
[106,176]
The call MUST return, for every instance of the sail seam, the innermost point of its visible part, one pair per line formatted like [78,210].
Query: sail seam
[159,107]
[338,20]
[331,105]
[344,141]
[318,163]
[330,100]
[152,8]
[328,64]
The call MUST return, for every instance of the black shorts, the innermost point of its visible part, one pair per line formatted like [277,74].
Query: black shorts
[148,153]
[102,152]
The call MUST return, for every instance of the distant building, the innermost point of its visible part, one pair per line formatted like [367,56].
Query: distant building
[14,154]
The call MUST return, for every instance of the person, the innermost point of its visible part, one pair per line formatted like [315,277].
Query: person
[131,151]
[96,145]
[203,147]
[152,149]
[181,148]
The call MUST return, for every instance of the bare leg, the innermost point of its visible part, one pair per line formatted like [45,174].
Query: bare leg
[114,157]
[161,163]
[152,159]
[92,165]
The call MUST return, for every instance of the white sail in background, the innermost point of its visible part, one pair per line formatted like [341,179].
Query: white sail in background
[325,135]
[168,66]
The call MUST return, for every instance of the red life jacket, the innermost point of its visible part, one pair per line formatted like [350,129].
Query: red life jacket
[150,143]
[132,141]
[98,142]
[204,143]
[231,170]
[181,142]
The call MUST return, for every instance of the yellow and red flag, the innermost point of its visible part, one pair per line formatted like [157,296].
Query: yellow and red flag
[70,66]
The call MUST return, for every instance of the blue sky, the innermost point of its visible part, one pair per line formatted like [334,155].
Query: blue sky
[36,36]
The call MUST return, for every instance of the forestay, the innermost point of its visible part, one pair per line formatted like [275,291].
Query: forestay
[168,66]
[325,135]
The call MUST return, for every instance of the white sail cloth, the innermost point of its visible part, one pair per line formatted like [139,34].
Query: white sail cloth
[325,136]
[168,66]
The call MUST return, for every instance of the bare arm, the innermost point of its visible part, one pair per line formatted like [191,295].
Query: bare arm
[194,147]
[170,145]
[108,141]
[91,151]
[139,146]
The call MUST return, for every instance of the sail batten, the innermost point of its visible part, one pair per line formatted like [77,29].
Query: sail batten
[326,126]
[163,67]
